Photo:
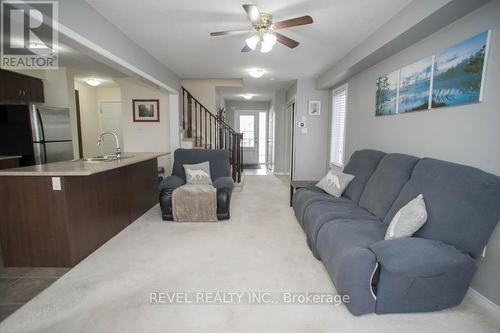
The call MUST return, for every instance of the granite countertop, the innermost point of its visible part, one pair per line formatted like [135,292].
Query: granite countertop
[79,167]
[5,157]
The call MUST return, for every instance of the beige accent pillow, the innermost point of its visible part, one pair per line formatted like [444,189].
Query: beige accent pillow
[335,182]
[408,219]
[198,173]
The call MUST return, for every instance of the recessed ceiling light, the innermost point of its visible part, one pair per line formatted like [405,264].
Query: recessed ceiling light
[247,96]
[93,82]
[272,79]
[256,73]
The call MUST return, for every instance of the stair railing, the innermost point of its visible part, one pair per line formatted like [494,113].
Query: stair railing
[209,131]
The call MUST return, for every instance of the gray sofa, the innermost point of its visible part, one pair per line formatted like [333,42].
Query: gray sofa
[431,270]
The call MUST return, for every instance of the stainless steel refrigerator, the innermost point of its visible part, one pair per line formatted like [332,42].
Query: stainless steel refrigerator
[51,134]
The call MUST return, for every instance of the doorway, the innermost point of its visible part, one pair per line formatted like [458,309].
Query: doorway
[253,126]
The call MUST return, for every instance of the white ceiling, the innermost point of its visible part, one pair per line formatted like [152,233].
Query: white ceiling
[85,67]
[177,34]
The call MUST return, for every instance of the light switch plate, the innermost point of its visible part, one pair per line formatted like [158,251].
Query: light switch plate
[56,183]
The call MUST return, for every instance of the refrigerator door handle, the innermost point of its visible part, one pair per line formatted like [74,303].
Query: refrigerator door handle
[36,124]
[39,117]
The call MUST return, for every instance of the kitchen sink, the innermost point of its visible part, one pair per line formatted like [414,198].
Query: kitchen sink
[105,158]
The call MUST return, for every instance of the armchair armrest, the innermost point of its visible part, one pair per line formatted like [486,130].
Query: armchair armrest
[171,183]
[224,183]
[419,257]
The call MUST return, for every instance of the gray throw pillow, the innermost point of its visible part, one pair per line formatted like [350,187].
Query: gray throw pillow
[198,173]
[335,182]
[408,219]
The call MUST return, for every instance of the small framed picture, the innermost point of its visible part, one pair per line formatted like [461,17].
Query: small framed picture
[146,110]
[314,108]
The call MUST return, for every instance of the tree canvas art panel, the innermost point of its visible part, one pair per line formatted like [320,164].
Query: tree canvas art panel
[415,85]
[459,72]
[387,94]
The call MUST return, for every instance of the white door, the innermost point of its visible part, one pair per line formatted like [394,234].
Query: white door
[247,123]
[111,121]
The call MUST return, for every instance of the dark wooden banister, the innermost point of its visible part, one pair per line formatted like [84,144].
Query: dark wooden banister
[211,132]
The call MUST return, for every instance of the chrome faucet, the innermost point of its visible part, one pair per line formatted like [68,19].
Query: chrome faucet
[100,140]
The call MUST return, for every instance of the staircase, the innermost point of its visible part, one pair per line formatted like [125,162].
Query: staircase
[202,129]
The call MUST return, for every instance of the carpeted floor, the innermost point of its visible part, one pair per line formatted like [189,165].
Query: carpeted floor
[261,249]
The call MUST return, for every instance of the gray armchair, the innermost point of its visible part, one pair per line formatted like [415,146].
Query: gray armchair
[220,172]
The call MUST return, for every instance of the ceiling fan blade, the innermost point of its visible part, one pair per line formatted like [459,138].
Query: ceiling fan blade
[246,49]
[253,13]
[230,32]
[302,20]
[286,41]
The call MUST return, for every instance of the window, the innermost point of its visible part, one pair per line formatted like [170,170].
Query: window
[339,101]
[247,127]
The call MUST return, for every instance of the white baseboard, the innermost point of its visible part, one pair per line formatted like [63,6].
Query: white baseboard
[483,300]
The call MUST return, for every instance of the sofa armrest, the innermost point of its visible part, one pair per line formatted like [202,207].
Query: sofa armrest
[224,183]
[171,183]
[419,257]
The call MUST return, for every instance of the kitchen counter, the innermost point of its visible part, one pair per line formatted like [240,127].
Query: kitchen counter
[79,167]
[5,157]
[54,215]
[8,162]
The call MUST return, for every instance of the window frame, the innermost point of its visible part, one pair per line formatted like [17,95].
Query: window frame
[335,91]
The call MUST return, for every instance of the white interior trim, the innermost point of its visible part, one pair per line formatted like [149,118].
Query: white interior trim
[483,300]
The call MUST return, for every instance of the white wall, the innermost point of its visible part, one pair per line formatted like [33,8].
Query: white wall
[147,136]
[204,90]
[90,100]
[466,134]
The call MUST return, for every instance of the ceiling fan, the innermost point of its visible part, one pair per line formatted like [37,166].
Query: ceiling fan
[265,31]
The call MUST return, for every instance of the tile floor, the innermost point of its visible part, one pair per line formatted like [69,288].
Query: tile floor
[18,285]
[262,171]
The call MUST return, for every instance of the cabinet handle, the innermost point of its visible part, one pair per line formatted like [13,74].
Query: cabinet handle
[24,93]
[19,92]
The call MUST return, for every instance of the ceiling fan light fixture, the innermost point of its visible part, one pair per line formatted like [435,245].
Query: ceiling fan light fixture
[268,41]
[264,48]
[247,96]
[256,73]
[252,42]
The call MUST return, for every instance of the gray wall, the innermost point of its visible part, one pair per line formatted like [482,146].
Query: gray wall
[466,134]
[311,148]
[280,130]
[243,105]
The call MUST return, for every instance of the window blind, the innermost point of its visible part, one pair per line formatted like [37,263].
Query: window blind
[339,101]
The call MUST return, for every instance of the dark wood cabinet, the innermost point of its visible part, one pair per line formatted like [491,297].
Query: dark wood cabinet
[18,87]
[42,227]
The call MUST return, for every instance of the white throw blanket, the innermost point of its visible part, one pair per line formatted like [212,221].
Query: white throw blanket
[195,203]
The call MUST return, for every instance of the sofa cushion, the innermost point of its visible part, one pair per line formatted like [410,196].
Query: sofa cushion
[344,249]
[335,182]
[218,159]
[408,219]
[392,173]
[198,173]
[463,203]
[320,213]
[361,165]
[304,197]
